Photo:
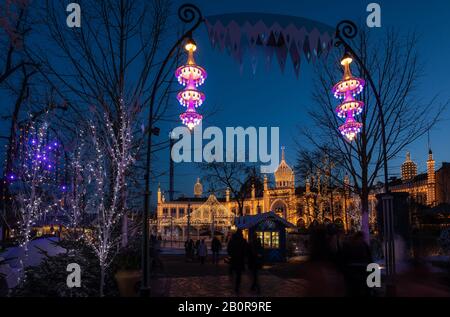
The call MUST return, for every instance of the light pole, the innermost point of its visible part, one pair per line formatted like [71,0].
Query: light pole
[189,221]
[347,30]
[171,231]
[187,13]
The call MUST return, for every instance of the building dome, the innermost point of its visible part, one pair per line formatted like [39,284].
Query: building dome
[284,175]
[198,188]
[409,168]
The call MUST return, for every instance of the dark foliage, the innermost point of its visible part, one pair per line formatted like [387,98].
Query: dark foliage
[49,279]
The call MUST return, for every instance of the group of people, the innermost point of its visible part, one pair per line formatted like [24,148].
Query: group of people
[241,253]
[338,263]
[199,249]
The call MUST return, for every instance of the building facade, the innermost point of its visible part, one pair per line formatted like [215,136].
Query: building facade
[298,205]
[431,188]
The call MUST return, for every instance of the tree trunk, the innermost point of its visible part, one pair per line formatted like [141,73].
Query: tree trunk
[365,216]
[102,280]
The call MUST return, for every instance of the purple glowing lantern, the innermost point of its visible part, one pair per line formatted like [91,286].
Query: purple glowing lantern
[347,89]
[191,118]
[191,76]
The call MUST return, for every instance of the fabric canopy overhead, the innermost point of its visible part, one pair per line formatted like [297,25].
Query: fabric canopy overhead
[269,34]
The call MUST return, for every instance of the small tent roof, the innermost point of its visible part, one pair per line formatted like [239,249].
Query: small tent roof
[246,222]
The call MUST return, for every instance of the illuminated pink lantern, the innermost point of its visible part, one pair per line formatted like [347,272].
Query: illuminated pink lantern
[350,128]
[191,76]
[191,118]
[347,89]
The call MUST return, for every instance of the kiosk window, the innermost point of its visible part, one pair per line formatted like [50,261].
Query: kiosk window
[269,239]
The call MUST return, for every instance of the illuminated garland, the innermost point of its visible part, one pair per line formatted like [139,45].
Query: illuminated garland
[191,76]
[347,89]
[32,180]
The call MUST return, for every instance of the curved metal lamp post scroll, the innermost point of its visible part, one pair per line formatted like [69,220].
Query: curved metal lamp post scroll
[188,14]
[345,31]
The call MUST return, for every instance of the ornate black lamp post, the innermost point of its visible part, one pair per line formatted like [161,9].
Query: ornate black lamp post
[345,31]
[187,13]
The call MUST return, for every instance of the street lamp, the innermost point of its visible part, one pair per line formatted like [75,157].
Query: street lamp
[191,76]
[347,30]
[187,13]
[347,89]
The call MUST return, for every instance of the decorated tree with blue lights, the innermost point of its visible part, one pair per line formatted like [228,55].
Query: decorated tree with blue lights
[33,179]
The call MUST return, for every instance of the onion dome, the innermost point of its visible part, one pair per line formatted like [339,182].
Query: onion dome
[198,188]
[284,175]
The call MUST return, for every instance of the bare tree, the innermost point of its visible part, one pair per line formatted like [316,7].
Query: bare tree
[34,182]
[107,167]
[14,26]
[325,173]
[15,76]
[114,56]
[394,65]
[238,178]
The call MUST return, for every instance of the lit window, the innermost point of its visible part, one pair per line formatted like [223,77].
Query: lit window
[269,239]
[275,240]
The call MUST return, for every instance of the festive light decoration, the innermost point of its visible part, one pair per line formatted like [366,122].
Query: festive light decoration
[347,89]
[191,76]
[109,160]
[33,177]
[191,118]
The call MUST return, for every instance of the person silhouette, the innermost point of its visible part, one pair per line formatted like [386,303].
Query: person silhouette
[216,246]
[237,249]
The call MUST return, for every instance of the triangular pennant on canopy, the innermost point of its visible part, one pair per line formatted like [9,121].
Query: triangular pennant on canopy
[266,34]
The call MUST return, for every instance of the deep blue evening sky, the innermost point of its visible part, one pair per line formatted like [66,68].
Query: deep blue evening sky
[247,99]
[270,98]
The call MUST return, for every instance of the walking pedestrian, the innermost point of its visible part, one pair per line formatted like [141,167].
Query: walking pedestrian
[191,249]
[202,251]
[237,249]
[357,256]
[187,250]
[197,245]
[216,247]
[321,273]
[255,262]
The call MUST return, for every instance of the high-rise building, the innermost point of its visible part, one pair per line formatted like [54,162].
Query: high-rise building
[431,188]
[409,168]
[431,180]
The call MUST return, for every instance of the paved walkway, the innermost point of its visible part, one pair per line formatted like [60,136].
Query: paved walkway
[191,279]
[182,279]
